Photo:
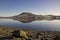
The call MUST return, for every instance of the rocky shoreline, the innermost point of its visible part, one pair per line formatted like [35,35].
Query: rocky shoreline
[7,33]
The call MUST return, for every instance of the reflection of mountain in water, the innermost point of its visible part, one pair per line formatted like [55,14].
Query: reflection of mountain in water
[25,21]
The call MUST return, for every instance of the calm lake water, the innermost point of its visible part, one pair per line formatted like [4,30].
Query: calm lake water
[45,25]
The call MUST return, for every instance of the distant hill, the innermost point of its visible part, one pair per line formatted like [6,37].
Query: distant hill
[24,14]
[25,17]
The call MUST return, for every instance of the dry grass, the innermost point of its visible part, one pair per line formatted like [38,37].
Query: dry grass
[5,31]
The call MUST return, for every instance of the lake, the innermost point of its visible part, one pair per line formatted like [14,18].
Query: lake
[44,25]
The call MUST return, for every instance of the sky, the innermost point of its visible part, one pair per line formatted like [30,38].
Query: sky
[38,7]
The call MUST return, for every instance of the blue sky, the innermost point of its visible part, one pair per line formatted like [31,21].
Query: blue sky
[15,7]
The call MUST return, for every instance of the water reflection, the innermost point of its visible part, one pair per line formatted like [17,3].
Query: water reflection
[31,20]
[45,25]
[25,21]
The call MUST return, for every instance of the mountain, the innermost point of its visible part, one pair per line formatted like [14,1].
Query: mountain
[25,17]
